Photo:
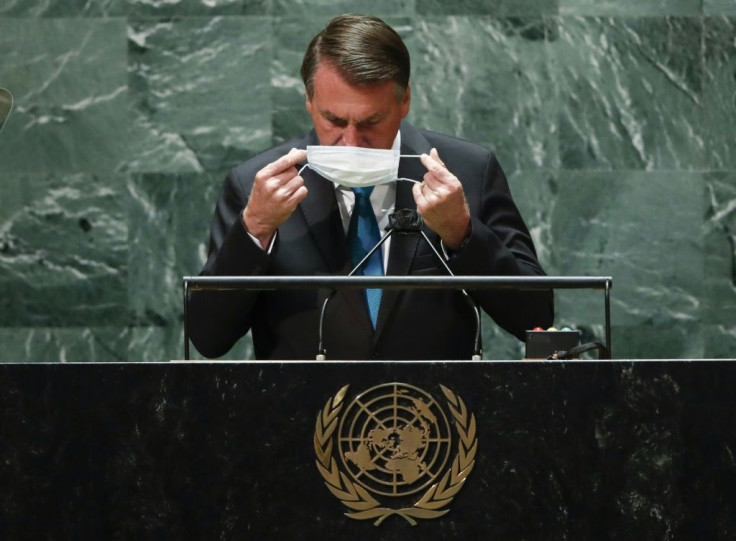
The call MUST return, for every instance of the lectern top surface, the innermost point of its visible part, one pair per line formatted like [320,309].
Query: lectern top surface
[377,362]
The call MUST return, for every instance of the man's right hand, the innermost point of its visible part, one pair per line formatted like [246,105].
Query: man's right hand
[276,192]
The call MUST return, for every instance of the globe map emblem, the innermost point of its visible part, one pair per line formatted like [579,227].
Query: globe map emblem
[394,439]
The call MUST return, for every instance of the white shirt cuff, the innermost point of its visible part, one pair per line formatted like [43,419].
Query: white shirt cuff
[270,244]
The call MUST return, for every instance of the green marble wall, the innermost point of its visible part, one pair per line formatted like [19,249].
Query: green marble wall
[613,119]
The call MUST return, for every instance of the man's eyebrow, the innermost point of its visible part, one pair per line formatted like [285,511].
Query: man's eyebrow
[376,117]
[329,115]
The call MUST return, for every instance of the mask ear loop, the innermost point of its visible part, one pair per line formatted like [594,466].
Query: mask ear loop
[410,156]
[303,168]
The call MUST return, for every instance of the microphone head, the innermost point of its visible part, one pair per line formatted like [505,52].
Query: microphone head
[404,221]
[6,104]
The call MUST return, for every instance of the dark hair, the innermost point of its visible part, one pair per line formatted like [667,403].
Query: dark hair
[363,49]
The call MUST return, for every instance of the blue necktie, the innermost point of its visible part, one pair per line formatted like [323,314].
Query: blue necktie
[363,235]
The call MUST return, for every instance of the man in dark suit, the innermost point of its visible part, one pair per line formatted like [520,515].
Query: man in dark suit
[272,219]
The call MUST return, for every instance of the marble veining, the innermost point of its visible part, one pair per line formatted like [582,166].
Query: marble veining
[612,120]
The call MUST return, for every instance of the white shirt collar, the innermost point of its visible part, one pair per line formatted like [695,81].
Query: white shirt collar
[397,141]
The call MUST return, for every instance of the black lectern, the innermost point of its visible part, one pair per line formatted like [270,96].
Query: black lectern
[373,450]
[369,450]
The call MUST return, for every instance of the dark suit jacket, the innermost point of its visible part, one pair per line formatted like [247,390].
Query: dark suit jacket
[420,324]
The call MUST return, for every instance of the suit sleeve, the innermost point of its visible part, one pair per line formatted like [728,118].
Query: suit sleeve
[218,319]
[500,244]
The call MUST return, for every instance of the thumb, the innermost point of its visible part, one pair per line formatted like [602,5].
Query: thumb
[436,157]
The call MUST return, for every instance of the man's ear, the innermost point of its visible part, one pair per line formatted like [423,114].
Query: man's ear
[406,102]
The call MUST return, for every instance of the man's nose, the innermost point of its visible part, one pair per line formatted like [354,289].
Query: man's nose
[350,136]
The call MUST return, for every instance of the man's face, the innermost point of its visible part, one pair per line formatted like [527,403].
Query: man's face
[359,116]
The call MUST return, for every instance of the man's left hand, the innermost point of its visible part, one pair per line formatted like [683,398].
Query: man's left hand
[441,202]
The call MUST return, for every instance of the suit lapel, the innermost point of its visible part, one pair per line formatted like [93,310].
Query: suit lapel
[322,216]
[323,219]
[403,247]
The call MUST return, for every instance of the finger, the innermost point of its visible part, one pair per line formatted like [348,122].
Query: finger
[432,161]
[435,185]
[436,157]
[298,155]
[283,178]
[298,196]
[438,174]
[287,189]
[416,190]
[294,156]
[274,183]
[420,195]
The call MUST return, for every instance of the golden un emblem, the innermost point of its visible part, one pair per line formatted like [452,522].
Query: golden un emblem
[394,443]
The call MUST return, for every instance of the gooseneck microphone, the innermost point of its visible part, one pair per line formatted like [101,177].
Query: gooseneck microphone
[403,222]
[6,105]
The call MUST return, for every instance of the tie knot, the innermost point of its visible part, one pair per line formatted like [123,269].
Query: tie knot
[363,192]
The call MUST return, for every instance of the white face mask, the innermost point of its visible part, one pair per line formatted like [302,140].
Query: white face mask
[354,167]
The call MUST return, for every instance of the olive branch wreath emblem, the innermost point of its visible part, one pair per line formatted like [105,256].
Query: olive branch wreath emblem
[364,506]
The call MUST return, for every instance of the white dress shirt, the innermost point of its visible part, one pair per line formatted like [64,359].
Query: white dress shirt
[383,201]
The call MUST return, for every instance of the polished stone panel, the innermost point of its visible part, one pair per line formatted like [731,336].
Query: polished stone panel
[641,228]
[487,80]
[65,344]
[719,341]
[663,340]
[69,83]
[497,343]
[705,316]
[331,8]
[64,252]
[196,7]
[534,192]
[291,36]
[577,450]
[719,7]
[719,237]
[200,88]
[62,8]
[153,100]
[169,218]
[632,93]
[719,92]
[629,8]
[484,7]
[169,228]
[151,344]
[102,343]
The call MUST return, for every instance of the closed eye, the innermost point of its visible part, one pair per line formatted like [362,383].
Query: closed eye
[335,120]
[368,123]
